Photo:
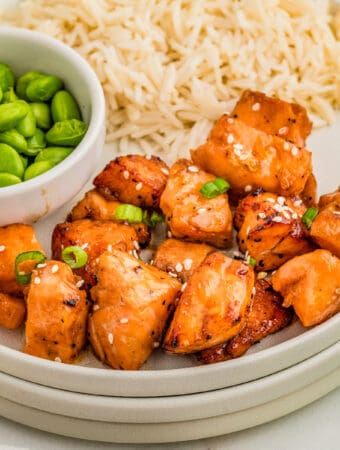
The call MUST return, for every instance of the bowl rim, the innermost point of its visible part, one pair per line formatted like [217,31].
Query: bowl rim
[97,109]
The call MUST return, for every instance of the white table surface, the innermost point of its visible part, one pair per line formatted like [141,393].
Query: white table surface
[315,427]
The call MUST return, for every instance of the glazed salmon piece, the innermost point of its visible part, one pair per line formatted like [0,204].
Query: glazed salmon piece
[133,302]
[96,237]
[56,313]
[14,239]
[325,229]
[270,229]
[134,179]
[189,215]
[266,316]
[96,207]
[249,158]
[329,198]
[12,311]
[311,284]
[274,116]
[180,258]
[213,307]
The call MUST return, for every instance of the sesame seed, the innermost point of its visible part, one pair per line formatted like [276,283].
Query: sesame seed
[261,215]
[277,208]
[109,248]
[238,146]
[256,106]
[202,210]
[271,200]
[136,245]
[169,234]
[36,280]
[247,230]
[294,216]
[139,186]
[193,169]
[230,139]
[286,146]
[80,283]
[261,275]
[110,338]
[286,214]
[281,200]
[178,267]
[2,248]
[148,157]
[124,320]
[41,265]
[165,171]
[294,150]
[337,291]
[57,359]
[253,291]
[277,219]
[184,285]
[244,156]
[95,307]
[135,254]
[172,274]
[126,174]
[97,260]
[283,130]
[248,188]
[55,268]
[297,202]
[155,344]
[237,152]
[22,273]
[230,120]
[187,263]
[84,245]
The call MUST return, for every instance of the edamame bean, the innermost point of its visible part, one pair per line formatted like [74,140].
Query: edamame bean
[12,113]
[14,139]
[6,77]
[64,107]
[53,154]
[7,179]
[35,143]
[10,161]
[42,114]
[27,125]
[43,88]
[9,96]
[23,81]
[66,133]
[37,168]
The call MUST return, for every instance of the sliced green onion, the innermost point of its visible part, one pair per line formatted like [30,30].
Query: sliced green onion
[309,217]
[129,213]
[214,188]
[153,220]
[25,278]
[74,256]
[252,262]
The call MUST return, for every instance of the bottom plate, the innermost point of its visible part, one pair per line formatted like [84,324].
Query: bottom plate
[89,416]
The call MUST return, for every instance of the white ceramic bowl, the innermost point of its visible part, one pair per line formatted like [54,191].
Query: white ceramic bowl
[26,50]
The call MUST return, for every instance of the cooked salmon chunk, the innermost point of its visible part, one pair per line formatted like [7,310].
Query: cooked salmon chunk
[267,316]
[270,229]
[12,311]
[325,229]
[311,284]
[56,313]
[95,237]
[133,302]
[329,198]
[213,307]
[180,258]
[134,179]
[249,158]
[96,207]
[14,239]
[190,215]
[274,116]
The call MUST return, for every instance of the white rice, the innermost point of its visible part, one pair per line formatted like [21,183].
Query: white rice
[169,68]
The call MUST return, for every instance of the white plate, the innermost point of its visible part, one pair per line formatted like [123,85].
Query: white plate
[173,418]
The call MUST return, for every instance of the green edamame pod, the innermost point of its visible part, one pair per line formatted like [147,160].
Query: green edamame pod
[10,161]
[43,88]
[66,133]
[7,179]
[9,96]
[14,139]
[23,81]
[37,141]
[64,107]
[27,125]
[54,154]
[37,168]
[6,77]
[12,113]
[24,161]
[42,115]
